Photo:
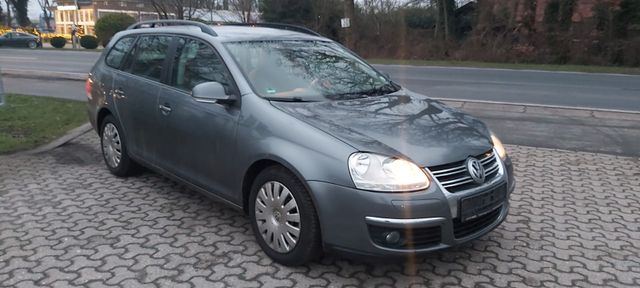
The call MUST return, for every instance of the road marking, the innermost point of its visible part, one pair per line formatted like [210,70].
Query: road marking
[17,58]
[537,105]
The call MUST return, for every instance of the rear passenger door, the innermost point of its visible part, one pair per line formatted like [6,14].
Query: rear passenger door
[135,93]
[197,140]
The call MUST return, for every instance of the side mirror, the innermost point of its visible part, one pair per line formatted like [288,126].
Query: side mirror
[211,92]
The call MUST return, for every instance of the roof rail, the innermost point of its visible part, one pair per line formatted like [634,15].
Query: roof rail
[156,23]
[281,26]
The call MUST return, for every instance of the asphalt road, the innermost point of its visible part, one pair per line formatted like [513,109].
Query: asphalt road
[539,127]
[65,89]
[603,91]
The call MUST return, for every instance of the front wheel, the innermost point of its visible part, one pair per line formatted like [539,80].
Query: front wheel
[32,44]
[114,149]
[283,218]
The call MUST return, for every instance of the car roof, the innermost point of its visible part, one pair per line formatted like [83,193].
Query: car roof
[230,33]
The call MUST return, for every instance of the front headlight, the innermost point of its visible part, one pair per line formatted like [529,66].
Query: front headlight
[386,174]
[502,152]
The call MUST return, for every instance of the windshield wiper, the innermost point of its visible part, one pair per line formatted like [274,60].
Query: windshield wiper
[385,89]
[288,99]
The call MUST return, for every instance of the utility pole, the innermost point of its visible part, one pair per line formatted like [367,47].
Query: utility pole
[348,22]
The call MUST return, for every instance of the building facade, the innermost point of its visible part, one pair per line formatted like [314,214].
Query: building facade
[85,14]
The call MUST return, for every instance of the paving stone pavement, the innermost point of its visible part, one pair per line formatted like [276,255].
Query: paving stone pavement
[66,222]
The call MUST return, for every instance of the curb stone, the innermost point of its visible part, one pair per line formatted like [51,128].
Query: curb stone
[44,74]
[70,135]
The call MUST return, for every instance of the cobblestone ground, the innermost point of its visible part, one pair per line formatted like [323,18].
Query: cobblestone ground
[65,221]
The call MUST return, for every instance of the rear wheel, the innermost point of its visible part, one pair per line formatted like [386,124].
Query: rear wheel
[284,218]
[114,149]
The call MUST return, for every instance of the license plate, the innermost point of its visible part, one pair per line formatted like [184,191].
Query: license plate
[480,204]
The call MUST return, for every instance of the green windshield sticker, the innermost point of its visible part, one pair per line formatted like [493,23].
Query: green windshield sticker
[271,90]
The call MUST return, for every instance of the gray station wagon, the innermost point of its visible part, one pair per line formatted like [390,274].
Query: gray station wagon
[320,150]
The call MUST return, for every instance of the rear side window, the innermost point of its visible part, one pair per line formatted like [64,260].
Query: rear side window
[119,50]
[195,63]
[151,52]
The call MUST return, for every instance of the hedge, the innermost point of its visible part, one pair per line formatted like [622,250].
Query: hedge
[58,42]
[89,42]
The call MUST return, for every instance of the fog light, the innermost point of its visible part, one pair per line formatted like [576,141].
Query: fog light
[392,237]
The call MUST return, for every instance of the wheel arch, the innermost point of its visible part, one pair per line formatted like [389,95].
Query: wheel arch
[260,165]
[102,113]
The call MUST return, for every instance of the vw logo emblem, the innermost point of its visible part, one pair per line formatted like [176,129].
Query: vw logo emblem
[476,170]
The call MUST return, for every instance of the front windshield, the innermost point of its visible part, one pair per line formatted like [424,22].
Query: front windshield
[306,70]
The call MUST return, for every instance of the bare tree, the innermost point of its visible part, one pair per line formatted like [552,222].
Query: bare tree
[244,8]
[379,10]
[46,12]
[183,9]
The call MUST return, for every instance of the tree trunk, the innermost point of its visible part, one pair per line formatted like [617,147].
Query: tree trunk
[47,14]
[21,12]
[445,10]
[8,12]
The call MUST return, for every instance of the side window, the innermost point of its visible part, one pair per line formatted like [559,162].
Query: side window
[119,50]
[149,56]
[195,63]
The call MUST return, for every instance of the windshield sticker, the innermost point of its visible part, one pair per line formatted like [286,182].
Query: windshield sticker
[271,91]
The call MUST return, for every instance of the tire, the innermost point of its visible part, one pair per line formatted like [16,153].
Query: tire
[32,44]
[114,149]
[308,245]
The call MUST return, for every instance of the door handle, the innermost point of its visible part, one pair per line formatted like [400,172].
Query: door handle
[118,93]
[165,108]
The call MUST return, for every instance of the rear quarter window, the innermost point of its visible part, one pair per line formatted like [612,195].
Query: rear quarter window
[118,52]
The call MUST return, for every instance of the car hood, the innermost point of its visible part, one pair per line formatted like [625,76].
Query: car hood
[403,124]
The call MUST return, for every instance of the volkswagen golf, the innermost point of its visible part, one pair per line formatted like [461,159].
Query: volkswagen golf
[321,151]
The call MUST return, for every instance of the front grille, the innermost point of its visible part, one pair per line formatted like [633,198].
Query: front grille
[455,177]
[410,238]
[463,229]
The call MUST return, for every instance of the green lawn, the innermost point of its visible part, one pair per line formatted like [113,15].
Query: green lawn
[544,67]
[29,121]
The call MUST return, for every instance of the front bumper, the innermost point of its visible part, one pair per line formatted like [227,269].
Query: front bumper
[350,218]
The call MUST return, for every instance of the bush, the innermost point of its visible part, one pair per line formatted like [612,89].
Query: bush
[89,42]
[110,24]
[58,42]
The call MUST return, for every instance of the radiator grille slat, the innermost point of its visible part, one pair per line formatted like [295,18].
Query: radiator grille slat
[454,177]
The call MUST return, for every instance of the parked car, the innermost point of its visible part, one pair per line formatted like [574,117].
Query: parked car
[19,39]
[320,150]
